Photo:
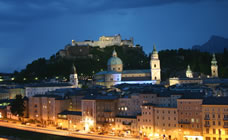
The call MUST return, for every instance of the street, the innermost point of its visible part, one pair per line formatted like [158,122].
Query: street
[54,131]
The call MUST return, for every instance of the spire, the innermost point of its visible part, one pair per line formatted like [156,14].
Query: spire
[214,61]
[114,54]
[154,49]
[188,68]
[74,69]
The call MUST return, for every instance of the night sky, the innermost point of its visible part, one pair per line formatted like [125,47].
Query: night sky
[30,29]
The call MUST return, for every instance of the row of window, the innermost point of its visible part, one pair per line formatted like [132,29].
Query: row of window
[216,109]
[207,116]
[214,123]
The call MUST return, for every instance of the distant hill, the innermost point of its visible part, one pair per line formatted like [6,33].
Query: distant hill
[215,44]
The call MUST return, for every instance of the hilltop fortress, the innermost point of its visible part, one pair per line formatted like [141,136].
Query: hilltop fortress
[82,49]
[105,41]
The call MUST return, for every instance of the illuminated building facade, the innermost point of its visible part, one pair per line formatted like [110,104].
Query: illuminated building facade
[105,41]
[158,122]
[190,116]
[215,118]
[126,125]
[129,105]
[70,120]
[45,108]
[100,110]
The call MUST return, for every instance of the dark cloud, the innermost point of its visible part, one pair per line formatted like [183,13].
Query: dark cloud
[18,13]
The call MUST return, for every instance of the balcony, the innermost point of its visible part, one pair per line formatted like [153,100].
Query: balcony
[126,123]
[206,118]
[207,125]
[184,122]
[225,126]
[225,119]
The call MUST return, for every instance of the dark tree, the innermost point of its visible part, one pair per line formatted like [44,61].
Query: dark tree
[17,106]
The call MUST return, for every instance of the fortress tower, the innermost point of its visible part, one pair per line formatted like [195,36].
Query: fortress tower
[155,66]
[214,67]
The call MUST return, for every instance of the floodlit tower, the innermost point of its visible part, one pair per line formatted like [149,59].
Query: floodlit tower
[214,67]
[189,72]
[155,66]
[74,77]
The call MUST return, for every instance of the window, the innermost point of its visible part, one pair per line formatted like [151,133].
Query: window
[220,132]
[207,130]
[155,65]
[214,138]
[213,122]
[214,131]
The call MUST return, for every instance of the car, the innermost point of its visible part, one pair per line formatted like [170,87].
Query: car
[58,127]
[100,133]
[64,129]
[38,125]
[23,123]
[77,130]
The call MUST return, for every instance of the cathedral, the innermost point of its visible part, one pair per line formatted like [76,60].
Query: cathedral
[116,75]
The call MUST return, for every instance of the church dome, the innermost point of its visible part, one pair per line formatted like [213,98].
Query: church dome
[114,60]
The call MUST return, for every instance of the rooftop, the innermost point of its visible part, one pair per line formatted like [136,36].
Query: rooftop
[215,101]
[66,112]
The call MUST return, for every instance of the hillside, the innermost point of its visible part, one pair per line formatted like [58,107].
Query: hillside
[172,62]
[215,44]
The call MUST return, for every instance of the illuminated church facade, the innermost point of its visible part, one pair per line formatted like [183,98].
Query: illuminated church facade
[116,75]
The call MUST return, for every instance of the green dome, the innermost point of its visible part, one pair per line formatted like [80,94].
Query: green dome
[114,60]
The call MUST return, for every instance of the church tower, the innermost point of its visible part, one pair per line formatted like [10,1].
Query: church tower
[155,66]
[214,67]
[74,77]
[189,72]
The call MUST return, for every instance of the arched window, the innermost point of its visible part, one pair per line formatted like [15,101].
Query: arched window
[155,78]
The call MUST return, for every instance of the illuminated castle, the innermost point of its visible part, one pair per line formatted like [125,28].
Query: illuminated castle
[105,41]
[116,75]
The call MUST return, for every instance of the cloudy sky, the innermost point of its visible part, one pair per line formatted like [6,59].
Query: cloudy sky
[30,29]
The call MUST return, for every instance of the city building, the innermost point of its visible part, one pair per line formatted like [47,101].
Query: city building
[45,108]
[126,126]
[99,112]
[43,88]
[116,75]
[129,105]
[190,116]
[70,120]
[215,118]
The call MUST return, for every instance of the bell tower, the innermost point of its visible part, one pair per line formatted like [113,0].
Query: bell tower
[74,77]
[214,67]
[155,66]
[189,72]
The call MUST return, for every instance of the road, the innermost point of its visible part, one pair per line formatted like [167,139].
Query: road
[54,131]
